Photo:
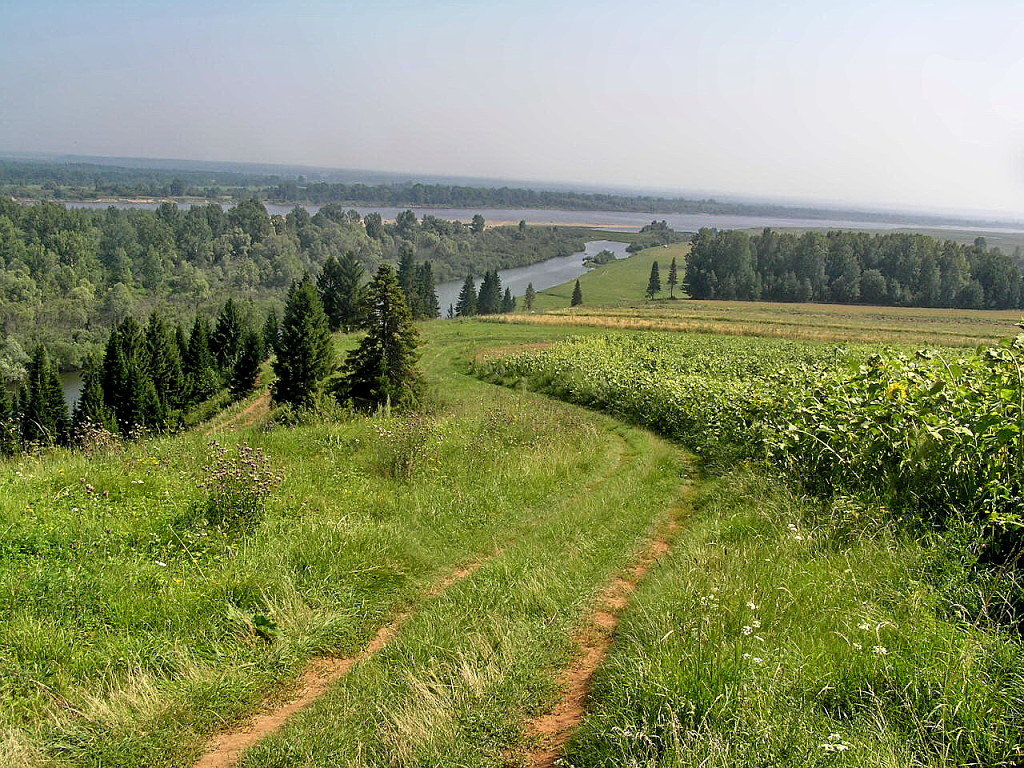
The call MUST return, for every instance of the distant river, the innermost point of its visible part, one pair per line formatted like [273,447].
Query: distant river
[626,220]
[543,274]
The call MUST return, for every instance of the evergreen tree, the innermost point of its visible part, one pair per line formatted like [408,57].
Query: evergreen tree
[44,414]
[163,362]
[270,332]
[653,282]
[451,311]
[381,371]
[466,304]
[304,352]
[245,374]
[488,301]
[350,281]
[91,410]
[673,278]
[427,307]
[407,273]
[181,342]
[330,285]
[128,390]
[201,377]
[226,338]
[529,298]
[508,302]
[577,295]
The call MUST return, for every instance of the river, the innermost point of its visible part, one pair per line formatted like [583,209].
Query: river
[623,220]
[544,274]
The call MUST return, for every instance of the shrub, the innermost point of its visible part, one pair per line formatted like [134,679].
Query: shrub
[238,484]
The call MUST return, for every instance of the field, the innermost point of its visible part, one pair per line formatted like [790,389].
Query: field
[614,299]
[504,578]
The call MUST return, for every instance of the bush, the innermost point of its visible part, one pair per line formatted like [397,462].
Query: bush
[238,484]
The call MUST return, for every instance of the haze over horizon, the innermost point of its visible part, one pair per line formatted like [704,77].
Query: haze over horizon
[906,104]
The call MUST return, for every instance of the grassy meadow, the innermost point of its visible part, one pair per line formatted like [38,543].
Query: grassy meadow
[139,618]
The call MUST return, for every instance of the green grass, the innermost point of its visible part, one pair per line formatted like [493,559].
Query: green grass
[620,283]
[777,630]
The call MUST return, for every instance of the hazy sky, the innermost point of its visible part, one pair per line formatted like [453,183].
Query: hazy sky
[872,103]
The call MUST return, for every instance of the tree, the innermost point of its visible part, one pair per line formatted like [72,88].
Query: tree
[477,225]
[201,377]
[270,333]
[304,352]
[577,295]
[350,281]
[407,274]
[226,338]
[44,414]
[329,284]
[245,374]
[163,361]
[488,301]
[382,369]
[673,278]
[426,306]
[529,298]
[128,389]
[91,410]
[508,302]
[653,282]
[466,304]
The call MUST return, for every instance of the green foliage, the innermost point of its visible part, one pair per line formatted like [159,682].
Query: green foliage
[653,282]
[304,355]
[577,295]
[466,306]
[245,373]
[890,269]
[381,370]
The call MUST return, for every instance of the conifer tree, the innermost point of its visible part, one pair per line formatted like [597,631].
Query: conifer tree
[529,298]
[44,414]
[245,374]
[508,302]
[201,377]
[226,337]
[330,285]
[270,332]
[577,295]
[128,389]
[451,311]
[350,282]
[181,342]
[163,362]
[673,278]
[653,282]
[91,410]
[381,370]
[427,307]
[489,299]
[304,352]
[466,304]
[407,273]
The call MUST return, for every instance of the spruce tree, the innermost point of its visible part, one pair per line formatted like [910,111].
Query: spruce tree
[201,377]
[508,302]
[407,273]
[466,304]
[577,295]
[350,282]
[653,282]
[304,352]
[226,338]
[181,342]
[330,285]
[246,372]
[91,410]
[673,278]
[163,362]
[427,307]
[271,328]
[44,413]
[489,300]
[128,389]
[529,298]
[381,370]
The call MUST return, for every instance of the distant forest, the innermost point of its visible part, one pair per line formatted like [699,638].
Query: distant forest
[88,181]
[68,275]
[850,267]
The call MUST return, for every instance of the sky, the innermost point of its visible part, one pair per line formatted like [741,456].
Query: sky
[905,104]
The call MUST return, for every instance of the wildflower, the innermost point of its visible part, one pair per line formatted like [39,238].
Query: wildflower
[161,563]
[864,626]
[747,630]
[896,391]
[880,650]
[751,605]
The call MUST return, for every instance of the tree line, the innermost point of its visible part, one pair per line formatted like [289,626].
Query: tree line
[69,275]
[149,377]
[892,269]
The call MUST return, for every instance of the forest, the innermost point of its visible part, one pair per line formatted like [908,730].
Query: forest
[69,275]
[892,269]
